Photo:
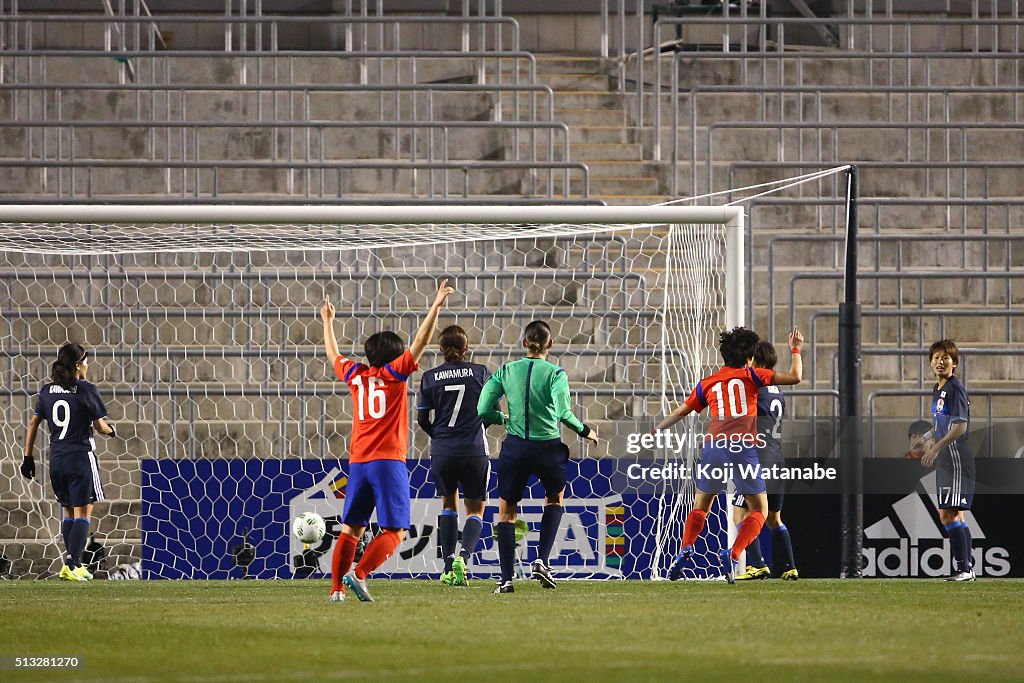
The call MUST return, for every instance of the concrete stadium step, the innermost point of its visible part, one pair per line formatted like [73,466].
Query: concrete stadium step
[571,81]
[805,70]
[910,407]
[614,168]
[584,117]
[910,181]
[968,329]
[549,63]
[154,181]
[615,134]
[253,105]
[942,250]
[228,70]
[858,104]
[821,143]
[586,99]
[592,152]
[269,143]
[903,218]
[612,186]
[966,291]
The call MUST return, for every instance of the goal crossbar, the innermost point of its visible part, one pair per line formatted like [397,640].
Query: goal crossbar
[380,214]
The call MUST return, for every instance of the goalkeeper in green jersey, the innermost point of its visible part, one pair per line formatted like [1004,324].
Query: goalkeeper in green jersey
[537,392]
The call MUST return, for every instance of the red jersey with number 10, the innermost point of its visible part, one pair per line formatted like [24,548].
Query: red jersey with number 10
[380,422]
[730,395]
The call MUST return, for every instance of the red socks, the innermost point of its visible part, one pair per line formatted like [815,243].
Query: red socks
[341,560]
[694,525]
[377,552]
[747,532]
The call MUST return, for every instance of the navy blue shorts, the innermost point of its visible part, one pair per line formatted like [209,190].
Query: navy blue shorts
[954,478]
[75,479]
[776,488]
[520,459]
[472,472]
[382,485]
[718,465]
[775,500]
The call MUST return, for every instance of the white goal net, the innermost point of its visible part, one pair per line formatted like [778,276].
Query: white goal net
[202,326]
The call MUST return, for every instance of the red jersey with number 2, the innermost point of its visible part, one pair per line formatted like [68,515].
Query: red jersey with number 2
[380,422]
[730,395]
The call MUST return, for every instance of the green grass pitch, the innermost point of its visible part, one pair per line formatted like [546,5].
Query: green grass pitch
[821,630]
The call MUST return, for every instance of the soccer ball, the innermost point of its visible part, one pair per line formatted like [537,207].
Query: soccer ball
[309,528]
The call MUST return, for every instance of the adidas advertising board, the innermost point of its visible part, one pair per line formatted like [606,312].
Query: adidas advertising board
[909,541]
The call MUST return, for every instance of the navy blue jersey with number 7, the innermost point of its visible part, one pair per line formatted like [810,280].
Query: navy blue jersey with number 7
[451,391]
[70,414]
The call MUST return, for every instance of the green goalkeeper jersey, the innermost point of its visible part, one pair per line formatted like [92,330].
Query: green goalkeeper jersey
[538,400]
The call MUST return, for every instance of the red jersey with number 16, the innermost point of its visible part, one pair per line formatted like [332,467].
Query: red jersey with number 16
[380,422]
[730,395]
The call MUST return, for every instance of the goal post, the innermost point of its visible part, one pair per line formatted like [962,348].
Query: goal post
[203,324]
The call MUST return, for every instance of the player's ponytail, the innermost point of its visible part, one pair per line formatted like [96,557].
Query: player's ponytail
[536,337]
[63,371]
[454,344]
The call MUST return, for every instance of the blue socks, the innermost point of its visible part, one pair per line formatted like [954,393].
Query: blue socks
[959,550]
[506,532]
[970,543]
[65,532]
[548,528]
[782,547]
[75,541]
[447,535]
[470,536]
[754,556]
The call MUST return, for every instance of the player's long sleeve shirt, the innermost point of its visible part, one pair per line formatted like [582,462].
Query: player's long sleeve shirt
[537,393]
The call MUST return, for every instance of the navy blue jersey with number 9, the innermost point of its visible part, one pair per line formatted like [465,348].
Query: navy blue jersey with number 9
[70,414]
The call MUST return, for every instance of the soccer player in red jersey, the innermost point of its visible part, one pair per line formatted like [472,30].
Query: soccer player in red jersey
[730,395]
[378,477]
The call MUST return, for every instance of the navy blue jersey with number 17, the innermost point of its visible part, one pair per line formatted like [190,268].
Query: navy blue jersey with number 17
[452,391]
[70,414]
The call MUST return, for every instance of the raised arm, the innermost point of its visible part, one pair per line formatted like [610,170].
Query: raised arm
[429,324]
[327,313]
[796,366]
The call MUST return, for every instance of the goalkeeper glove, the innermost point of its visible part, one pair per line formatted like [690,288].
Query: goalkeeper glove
[113,432]
[28,467]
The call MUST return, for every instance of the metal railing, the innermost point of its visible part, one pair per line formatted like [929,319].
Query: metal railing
[924,408]
[775,52]
[515,67]
[488,52]
[940,314]
[901,96]
[948,132]
[962,241]
[957,189]
[327,178]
